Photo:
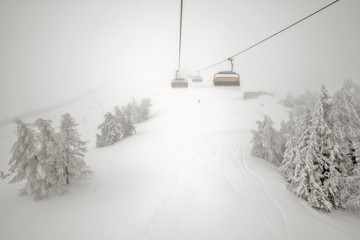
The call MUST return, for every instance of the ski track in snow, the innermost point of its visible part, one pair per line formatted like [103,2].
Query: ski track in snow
[187,174]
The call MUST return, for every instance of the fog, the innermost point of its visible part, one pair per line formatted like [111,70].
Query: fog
[52,51]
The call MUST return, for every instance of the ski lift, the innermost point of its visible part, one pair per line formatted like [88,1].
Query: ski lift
[227,78]
[179,82]
[197,78]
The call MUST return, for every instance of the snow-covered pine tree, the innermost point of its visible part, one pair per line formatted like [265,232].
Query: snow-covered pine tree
[23,151]
[297,167]
[287,130]
[45,176]
[308,183]
[126,122]
[110,131]
[350,193]
[303,130]
[346,119]
[289,163]
[266,144]
[299,149]
[331,159]
[144,109]
[134,111]
[71,164]
[323,155]
[258,149]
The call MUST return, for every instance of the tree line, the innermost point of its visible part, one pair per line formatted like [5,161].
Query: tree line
[120,123]
[50,159]
[318,148]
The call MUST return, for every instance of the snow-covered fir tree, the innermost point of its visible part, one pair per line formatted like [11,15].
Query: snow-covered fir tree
[71,164]
[350,193]
[297,150]
[48,156]
[287,130]
[346,118]
[265,142]
[303,130]
[144,109]
[110,131]
[33,157]
[295,169]
[323,156]
[24,151]
[308,182]
[331,157]
[125,119]
[258,149]
[290,160]
[134,110]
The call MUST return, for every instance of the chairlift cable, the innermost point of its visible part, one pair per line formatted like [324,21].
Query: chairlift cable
[179,82]
[271,36]
[181,9]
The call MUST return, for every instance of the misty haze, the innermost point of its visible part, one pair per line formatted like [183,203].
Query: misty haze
[179,119]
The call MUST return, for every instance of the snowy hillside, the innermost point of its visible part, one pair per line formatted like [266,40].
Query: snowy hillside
[186,174]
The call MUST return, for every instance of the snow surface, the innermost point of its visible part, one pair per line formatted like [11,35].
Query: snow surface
[186,174]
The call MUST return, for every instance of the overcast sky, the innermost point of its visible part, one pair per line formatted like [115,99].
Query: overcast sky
[53,50]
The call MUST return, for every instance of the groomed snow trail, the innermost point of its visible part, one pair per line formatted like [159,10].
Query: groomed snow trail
[186,174]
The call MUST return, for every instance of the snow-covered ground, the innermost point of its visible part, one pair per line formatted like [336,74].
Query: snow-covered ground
[186,174]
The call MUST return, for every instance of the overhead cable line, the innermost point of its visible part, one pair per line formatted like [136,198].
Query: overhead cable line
[273,35]
[181,8]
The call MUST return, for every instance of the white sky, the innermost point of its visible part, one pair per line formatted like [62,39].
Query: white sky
[53,50]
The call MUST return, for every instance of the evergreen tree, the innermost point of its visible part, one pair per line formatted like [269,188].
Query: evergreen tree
[126,122]
[323,157]
[350,193]
[144,109]
[33,155]
[71,164]
[297,167]
[110,131]
[289,163]
[258,149]
[346,118]
[308,183]
[48,155]
[266,144]
[299,149]
[302,133]
[23,151]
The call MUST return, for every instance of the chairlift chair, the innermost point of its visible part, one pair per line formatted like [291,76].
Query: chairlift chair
[227,78]
[179,82]
[197,78]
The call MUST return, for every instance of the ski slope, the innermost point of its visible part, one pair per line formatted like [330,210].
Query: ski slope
[186,174]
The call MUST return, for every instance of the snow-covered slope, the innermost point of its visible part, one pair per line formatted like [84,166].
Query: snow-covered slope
[186,174]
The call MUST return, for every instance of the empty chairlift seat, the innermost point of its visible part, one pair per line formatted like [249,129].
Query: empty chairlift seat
[179,83]
[196,78]
[226,78]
